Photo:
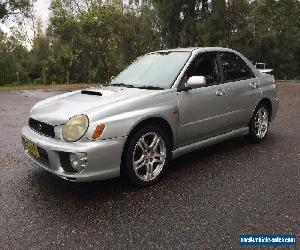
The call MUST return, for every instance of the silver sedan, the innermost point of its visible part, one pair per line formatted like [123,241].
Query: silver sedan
[165,104]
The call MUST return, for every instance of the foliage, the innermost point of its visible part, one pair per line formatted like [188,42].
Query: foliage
[90,41]
[14,7]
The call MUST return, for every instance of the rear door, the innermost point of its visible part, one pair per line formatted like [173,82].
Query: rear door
[242,88]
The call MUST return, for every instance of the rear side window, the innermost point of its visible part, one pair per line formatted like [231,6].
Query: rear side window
[234,68]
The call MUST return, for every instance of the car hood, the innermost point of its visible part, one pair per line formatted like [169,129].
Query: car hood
[58,109]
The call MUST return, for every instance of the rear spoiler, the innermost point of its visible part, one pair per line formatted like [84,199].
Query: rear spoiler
[266,71]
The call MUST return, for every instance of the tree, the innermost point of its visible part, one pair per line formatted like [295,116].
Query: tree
[15,7]
[168,12]
[276,35]
[90,41]
[13,59]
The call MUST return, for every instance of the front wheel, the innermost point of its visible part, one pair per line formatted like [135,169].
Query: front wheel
[146,156]
[259,123]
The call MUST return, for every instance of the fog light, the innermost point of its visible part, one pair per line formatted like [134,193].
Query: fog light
[78,161]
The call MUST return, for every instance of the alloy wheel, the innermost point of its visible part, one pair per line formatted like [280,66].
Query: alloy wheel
[149,156]
[261,122]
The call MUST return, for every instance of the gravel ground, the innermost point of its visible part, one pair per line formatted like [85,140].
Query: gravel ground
[207,199]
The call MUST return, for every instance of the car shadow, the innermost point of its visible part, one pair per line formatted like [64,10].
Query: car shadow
[178,171]
[204,155]
[201,167]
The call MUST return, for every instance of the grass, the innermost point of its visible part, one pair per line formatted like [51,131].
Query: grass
[290,81]
[28,86]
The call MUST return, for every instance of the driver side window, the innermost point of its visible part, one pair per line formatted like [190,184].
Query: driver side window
[205,65]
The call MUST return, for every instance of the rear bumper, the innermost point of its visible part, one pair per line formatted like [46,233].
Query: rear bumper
[103,156]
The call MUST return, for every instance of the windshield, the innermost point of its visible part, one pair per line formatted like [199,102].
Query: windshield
[155,70]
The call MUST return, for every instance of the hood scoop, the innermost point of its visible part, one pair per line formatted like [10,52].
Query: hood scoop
[90,92]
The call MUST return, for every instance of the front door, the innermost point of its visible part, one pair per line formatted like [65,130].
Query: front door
[203,111]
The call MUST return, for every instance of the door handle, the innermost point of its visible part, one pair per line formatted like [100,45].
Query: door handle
[254,85]
[220,92]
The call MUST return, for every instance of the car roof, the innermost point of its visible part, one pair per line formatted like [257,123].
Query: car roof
[196,49]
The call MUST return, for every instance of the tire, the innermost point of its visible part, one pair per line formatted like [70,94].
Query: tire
[259,123]
[146,156]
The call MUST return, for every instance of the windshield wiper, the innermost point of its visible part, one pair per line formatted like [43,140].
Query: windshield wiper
[122,85]
[150,87]
[132,86]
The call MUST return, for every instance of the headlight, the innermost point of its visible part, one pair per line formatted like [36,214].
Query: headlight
[75,128]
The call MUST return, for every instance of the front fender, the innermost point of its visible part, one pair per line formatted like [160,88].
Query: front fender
[120,125]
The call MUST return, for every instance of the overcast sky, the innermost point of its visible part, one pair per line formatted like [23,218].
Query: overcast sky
[42,10]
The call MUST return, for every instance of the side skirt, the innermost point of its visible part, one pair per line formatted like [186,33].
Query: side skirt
[210,141]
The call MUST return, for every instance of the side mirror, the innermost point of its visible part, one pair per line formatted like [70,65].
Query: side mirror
[195,82]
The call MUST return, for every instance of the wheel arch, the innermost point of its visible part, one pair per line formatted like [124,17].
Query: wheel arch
[157,121]
[268,103]
[265,101]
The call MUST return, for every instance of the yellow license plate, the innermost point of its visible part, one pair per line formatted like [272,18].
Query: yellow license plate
[32,148]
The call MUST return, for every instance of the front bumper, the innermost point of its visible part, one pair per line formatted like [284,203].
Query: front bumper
[103,156]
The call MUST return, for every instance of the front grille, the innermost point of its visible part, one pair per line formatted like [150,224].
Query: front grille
[42,128]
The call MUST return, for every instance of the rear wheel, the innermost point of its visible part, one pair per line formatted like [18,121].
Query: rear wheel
[146,156]
[259,123]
